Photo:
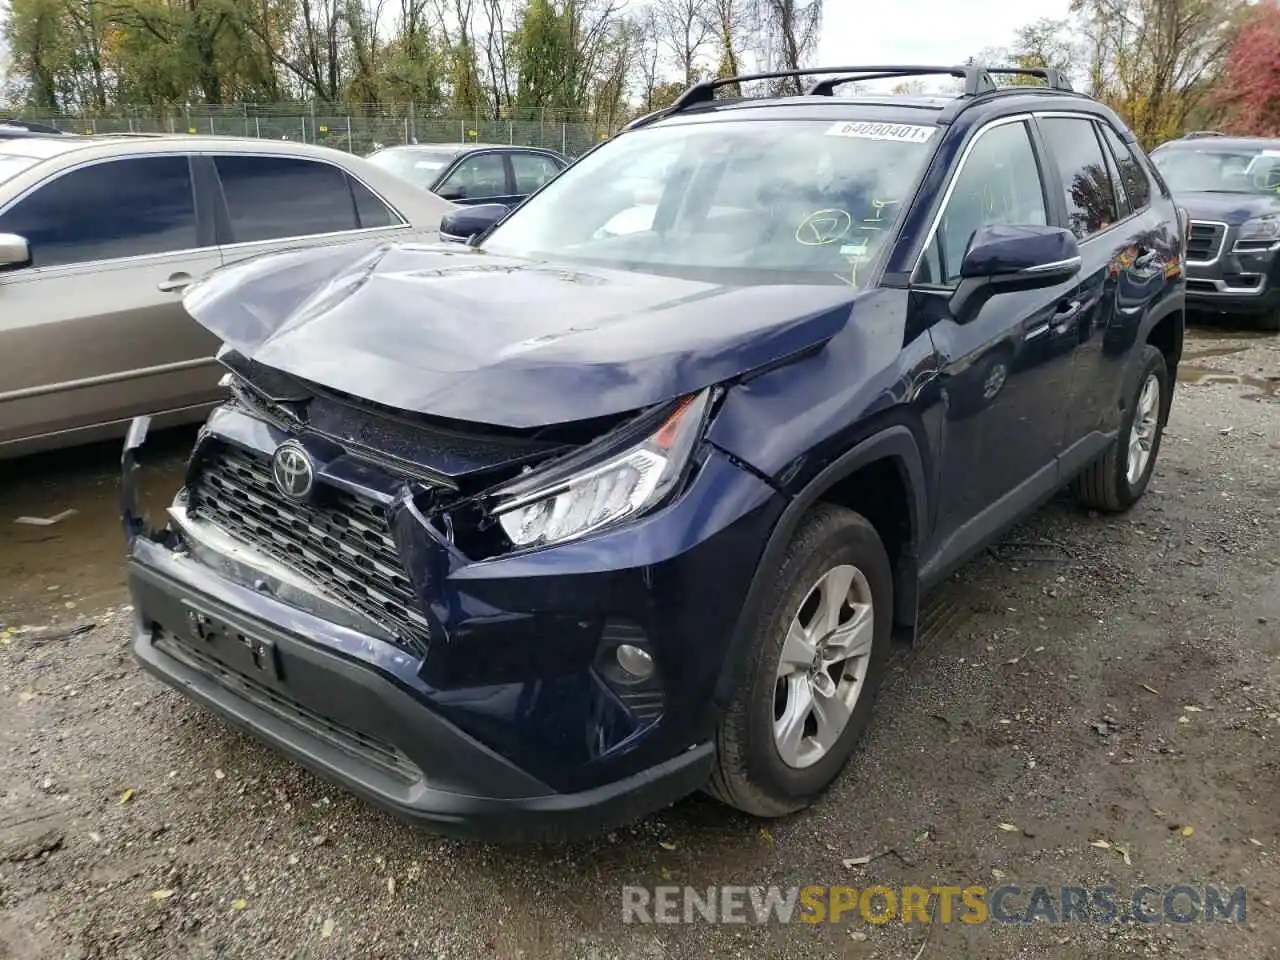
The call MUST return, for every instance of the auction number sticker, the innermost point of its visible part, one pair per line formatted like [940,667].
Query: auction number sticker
[868,130]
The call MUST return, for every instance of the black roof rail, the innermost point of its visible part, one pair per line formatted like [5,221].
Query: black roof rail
[977,79]
[1053,79]
[825,88]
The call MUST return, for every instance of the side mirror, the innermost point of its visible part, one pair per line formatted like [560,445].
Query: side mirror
[469,224]
[14,251]
[456,192]
[1003,259]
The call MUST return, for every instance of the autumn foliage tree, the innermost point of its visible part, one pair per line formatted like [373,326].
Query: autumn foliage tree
[1251,91]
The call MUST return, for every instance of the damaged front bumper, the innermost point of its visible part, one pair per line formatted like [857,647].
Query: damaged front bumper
[509,721]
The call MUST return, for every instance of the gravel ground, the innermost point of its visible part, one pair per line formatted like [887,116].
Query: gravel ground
[1090,679]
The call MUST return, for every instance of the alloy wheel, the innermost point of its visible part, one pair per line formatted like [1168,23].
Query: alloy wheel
[1142,434]
[823,665]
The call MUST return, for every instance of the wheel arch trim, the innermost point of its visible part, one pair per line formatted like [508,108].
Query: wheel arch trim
[895,443]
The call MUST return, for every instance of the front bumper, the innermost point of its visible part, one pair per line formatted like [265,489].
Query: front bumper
[1234,281]
[529,741]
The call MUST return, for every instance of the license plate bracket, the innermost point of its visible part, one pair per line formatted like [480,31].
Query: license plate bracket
[249,655]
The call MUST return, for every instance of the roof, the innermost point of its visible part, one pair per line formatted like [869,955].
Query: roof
[39,147]
[457,148]
[44,147]
[1221,143]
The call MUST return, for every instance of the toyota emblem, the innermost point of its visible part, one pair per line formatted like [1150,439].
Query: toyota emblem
[293,471]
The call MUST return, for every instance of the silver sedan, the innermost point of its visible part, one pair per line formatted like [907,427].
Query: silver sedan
[100,237]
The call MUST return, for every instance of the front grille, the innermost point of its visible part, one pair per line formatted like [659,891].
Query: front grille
[1205,241]
[339,541]
[368,748]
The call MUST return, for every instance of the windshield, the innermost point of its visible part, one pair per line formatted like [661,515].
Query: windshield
[11,166]
[420,167]
[777,201]
[1238,170]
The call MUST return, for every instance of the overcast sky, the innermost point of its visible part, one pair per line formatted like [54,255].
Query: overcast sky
[922,31]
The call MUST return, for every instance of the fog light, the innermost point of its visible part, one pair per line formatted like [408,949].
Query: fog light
[635,661]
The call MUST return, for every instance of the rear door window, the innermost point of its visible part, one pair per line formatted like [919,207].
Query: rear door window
[130,207]
[371,211]
[532,170]
[1134,180]
[1086,183]
[273,198]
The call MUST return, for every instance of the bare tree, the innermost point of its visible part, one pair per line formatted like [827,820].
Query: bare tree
[684,31]
[790,33]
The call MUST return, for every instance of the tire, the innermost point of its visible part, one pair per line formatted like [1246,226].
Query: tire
[750,772]
[1105,484]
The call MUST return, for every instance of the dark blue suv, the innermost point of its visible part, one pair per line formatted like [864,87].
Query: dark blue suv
[630,496]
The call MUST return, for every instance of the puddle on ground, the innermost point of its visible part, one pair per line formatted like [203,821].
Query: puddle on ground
[1206,352]
[75,566]
[1266,386]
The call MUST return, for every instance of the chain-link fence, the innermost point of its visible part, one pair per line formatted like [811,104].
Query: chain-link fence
[357,128]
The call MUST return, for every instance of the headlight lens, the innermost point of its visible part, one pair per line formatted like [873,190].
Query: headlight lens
[1260,228]
[622,486]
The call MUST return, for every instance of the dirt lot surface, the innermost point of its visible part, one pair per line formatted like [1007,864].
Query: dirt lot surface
[1090,680]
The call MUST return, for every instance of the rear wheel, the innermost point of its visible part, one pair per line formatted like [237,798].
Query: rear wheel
[1118,479]
[817,657]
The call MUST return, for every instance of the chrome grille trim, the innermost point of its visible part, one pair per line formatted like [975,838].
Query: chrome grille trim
[339,541]
[1209,237]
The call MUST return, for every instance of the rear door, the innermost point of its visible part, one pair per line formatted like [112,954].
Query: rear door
[276,203]
[93,331]
[1122,271]
[530,170]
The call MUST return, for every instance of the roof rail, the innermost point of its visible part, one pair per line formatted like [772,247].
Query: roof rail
[1200,134]
[1053,79]
[977,81]
[825,88]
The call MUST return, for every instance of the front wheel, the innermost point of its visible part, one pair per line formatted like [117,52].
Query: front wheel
[1117,480]
[817,656]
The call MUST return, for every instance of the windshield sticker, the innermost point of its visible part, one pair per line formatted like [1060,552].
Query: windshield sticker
[867,130]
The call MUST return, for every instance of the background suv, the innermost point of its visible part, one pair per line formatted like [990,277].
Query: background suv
[530,537]
[1230,187]
[100,237]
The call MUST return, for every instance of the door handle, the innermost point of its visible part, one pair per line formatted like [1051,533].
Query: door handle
[175,284]
[1066,313]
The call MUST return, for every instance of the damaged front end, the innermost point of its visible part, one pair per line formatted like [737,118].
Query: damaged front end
[431,612]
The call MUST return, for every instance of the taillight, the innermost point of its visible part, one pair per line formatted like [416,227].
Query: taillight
[1184,220]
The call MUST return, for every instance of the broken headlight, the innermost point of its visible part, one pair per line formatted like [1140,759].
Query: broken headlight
[621,485]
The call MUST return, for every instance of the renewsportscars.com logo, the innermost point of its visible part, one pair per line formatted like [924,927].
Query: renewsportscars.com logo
[814,904]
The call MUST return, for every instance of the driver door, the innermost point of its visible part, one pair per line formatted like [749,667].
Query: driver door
[1006,370]
[478,178]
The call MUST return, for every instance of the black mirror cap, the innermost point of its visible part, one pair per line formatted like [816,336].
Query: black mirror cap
[1026,256]
[468,224]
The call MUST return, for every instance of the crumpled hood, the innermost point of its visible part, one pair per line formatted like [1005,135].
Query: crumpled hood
[1230,208]
[454,332]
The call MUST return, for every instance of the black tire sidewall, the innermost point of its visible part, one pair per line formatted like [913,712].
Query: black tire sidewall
[844,538]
